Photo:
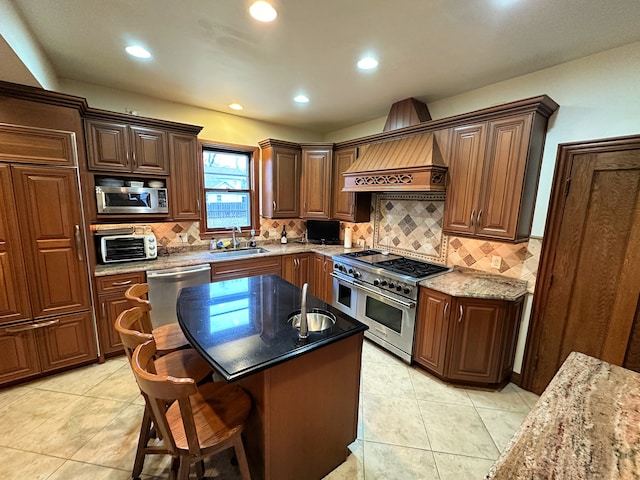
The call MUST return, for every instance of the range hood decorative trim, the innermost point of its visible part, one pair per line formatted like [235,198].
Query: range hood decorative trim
[411,164]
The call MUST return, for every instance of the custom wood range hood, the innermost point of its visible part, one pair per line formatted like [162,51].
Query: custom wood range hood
[408,164]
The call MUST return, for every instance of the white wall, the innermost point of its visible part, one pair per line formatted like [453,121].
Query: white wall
[599,97]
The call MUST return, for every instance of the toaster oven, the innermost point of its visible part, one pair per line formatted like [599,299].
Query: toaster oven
[127,248]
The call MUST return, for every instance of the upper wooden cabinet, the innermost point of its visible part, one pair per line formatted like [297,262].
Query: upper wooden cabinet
[36,146]
[126,148]
[186,177]
[280,179]
[316,181]
[347,206]
[493,177]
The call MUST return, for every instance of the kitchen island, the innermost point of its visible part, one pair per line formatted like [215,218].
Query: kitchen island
[305,392]
[586,425]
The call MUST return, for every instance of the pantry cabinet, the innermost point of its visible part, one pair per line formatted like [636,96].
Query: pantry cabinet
[347,206]
[466,340]
[112,302]
[280,191]
[493,177]
[296,268]
[316,182]
[126,148]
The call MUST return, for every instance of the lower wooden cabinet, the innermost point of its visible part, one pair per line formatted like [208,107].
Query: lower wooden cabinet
[467,340]
[111,302]
[320,280]
[46,345]
[296,268]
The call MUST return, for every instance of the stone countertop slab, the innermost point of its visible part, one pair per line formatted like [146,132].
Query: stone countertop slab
[586,425]
[472,283]
[198,257]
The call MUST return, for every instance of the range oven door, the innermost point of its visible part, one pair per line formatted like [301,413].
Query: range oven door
[344,296]
[391,320]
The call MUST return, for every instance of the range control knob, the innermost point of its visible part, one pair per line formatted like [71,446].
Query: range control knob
[350,271]
[399,288]
[376,282]
[406,290]
[383,283]
[357,274]
[392,285]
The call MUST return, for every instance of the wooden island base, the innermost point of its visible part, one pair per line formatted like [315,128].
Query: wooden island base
[305,413]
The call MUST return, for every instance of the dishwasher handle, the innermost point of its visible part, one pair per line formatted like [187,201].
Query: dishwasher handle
[177,273]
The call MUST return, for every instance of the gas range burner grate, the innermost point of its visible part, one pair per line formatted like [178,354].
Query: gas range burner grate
[410,267]
[361,253]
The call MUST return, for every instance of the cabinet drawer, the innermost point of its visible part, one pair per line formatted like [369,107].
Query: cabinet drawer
[118,283]
[245,268]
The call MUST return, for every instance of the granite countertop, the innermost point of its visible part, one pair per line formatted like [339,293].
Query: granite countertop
[240,326]
[586,425]
[464,282]
[197,257]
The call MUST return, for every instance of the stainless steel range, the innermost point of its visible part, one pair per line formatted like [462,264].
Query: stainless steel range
[382,291]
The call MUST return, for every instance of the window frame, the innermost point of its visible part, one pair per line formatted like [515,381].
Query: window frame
[254,188]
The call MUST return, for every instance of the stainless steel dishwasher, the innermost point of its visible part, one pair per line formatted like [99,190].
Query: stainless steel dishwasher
[165,286]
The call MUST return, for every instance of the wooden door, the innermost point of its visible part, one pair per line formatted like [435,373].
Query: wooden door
[110,307]
[342,202]
[503,174]
[432,325]
[68,342]
[51,224]
[18,353]
[465,169]
[286,188]
[14,295]
[108,146]
[185,188]
[316,183]
[475,333]
[588,288]
[149,151]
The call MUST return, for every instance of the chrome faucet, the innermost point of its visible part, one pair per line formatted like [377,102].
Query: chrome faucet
[304,325]
[235,242]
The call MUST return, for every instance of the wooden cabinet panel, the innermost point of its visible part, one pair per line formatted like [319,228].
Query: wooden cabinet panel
[320,280]
[49,208]
[68,342]
[120,147]
[316,183]
[280,179]
[18,355]
[432,327]
[35,145]
[185,186]
[245,268]
[347,206]
[465,167]
[296,268]
[111,302]
[14,295]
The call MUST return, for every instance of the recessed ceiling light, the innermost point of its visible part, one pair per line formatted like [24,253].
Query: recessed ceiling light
[301,99]
[236,106]
[138,51]
[367,63]
[263,12]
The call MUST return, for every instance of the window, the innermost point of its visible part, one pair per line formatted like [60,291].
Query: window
[229,188]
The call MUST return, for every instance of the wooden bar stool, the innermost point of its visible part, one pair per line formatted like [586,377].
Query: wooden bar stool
[167,337]
[195,422]
[180,363]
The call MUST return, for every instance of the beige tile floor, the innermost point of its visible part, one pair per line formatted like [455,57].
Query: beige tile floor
[84,424]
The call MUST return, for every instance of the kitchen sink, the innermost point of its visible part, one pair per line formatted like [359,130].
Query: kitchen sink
[318,320]
[241,252]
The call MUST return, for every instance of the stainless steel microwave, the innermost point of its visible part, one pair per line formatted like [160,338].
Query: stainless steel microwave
[131,200]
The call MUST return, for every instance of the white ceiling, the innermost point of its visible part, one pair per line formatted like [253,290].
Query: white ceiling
[210,53]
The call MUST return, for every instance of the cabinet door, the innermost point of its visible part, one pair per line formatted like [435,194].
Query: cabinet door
[18,354]
[110,307]
[296,268]
[107,146]
[475,332]
[320,280]
[286,190]
[304,269]
[20,144]
[465,168]
[51,224]
[149,151]
[503,177]
[342,204]
[328,280]
[245,268]
[316,183]
[14,295]
[432,325]
[185,191]
[68,342]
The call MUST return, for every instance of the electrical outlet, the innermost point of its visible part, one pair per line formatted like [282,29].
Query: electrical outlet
[361,242]
[496,261]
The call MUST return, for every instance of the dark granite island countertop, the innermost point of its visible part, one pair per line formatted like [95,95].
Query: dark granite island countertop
[240,326]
